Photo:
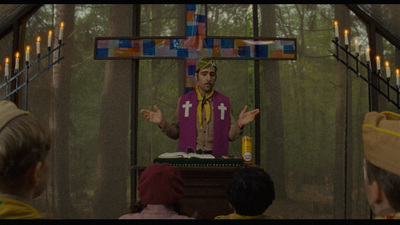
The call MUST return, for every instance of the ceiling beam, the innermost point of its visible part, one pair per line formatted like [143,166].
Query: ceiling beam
[378,27]
[23,14]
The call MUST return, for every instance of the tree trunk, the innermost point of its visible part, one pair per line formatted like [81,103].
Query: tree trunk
[110,200]
[275,150]
[59,113]
[339,201]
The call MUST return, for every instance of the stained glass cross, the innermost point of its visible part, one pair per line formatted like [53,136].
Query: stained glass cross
[195,46]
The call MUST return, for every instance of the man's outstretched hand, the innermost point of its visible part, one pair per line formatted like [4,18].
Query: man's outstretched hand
[247,117]
[154,117]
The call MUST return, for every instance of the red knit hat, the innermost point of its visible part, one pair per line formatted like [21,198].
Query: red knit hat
[160,183]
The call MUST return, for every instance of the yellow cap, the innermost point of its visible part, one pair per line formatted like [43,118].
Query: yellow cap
[9,111]
[381,137]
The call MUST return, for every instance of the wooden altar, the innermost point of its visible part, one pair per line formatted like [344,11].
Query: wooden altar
[205,187]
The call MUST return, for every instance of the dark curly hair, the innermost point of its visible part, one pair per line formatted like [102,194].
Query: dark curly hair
[251,191]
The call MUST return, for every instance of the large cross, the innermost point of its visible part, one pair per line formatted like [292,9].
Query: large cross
[194,46]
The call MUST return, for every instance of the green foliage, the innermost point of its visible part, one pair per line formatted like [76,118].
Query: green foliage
[307,84]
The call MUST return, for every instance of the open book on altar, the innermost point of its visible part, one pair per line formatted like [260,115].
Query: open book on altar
[184,155]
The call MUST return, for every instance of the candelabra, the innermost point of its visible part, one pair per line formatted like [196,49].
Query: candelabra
[358,63]
[10,89]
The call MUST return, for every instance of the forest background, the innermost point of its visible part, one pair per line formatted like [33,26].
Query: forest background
[311,108]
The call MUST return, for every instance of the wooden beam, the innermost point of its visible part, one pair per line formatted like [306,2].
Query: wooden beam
[28,11]
[378,27]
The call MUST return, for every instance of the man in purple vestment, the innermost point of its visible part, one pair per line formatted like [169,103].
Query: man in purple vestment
[203,120]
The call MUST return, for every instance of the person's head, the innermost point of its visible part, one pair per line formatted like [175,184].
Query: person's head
[206,75]
[251,191]
[160,184]
[24,148]
[381,138]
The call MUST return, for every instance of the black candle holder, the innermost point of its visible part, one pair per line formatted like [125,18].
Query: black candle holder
[11,91]
[366,65]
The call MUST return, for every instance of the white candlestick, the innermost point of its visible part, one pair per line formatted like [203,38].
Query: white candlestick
[336,29]
[397,77]
[38,45]
[387,69]
[346,37]
[60,36]
[7,68]
[357,47]
[17,61]
[27,53]
[378,63]
[49,39]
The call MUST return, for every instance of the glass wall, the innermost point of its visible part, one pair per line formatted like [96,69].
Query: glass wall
[311,108]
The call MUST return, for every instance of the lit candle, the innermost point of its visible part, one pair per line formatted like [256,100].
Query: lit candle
[49,39]
[7,68]
[357,47]
[27,53]
[336,29]
[367,54]
[346,37]
[398,77]
[17,61]
[60,36]
[378,63]
[387,69]
[38,45]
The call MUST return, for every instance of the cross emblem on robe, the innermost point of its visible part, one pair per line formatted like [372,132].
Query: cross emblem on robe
[186,106]
[222,107]
[194,46]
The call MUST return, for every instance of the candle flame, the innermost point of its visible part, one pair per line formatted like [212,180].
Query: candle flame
[356,41]
[397,72]
[7,60]
[38,39]
[17,55]
[368,49]
[28,48]
[336,23]
[377,58]
[387,63]
[346,31]
[62,25]
[50,32]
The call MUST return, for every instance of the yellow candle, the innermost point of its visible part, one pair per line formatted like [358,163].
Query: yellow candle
[17,61]
[60,36]
[398,77]
[367,54]
[378,63]
[346,37]
[49,39]
[7,68]
[38,45]
[357,47]
[387,69]
[27,53]
[336,23]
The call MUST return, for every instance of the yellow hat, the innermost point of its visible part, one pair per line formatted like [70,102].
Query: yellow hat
[9,111]
[205,63]
[381,137]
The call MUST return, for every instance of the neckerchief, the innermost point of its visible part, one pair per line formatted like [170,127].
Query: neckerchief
[391,216]
[203,104]
[238,216]
[14,209]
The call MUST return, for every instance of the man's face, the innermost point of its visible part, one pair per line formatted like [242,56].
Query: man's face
[43,178]
[367,186]
[206,80]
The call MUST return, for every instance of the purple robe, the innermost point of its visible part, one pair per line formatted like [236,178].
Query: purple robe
[188,121]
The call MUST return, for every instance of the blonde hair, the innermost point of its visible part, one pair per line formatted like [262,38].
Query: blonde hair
[24,141]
